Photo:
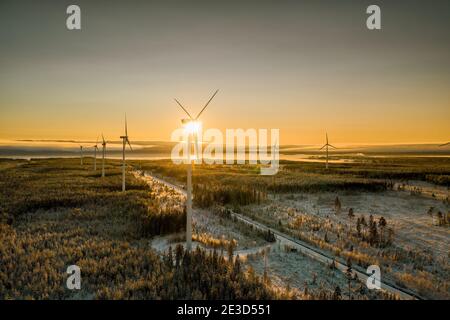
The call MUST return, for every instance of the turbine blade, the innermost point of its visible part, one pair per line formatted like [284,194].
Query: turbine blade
[189,115]
[332,146]
[323,147]
[129,144]
[445,144]
[103,138]
[126,130]
[207,104]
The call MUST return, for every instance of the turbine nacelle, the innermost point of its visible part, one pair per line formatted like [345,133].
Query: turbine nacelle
[327,144]
[192,127]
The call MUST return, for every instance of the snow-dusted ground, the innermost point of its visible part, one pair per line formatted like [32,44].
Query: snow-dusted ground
[291,268]
[298,271]
[419,258]
[205,221]
[425,189]
[162,244]
[405,213]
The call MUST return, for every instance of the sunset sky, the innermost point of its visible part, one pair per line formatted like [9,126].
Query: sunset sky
[305,67]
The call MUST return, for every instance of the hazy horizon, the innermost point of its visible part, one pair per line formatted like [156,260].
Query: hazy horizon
[117,140]
[162,150]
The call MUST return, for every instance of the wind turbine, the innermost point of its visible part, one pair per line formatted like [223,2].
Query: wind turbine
[326,145]
[95,154]
[81,155]
[103,155]
[125,140]
[192,126]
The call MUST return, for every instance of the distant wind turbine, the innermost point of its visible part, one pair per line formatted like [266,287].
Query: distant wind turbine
[103,155]
[95,154]
[81,155]
[326,145]
[125,140]
[192,126]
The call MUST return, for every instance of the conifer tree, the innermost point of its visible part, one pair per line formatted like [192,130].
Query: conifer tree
[169,258]
[350,213]
[358,227]
[230,249]
[178,254]
[440,217]
[337,295]
[236,267]
[373,232]
[382,223]
[349,275]
[337,205]
[363,221]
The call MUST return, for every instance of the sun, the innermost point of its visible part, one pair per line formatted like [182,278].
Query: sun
[193,127]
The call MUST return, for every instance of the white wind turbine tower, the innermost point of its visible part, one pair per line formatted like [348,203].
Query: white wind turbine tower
[192,126]
[326,145]
[125,140]
[81,155]
[103,155]
[95,154]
